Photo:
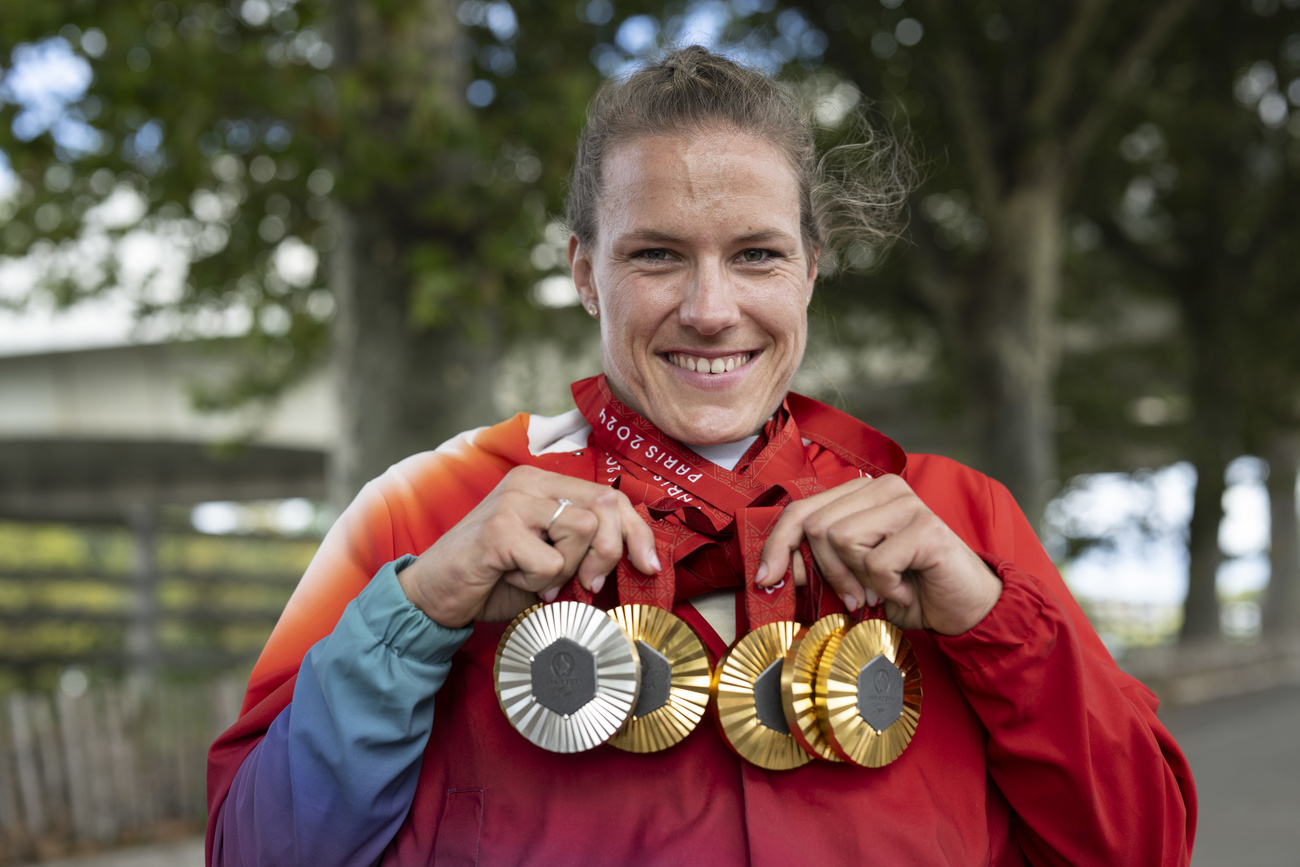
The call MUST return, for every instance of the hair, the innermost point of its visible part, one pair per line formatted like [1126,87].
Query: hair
[851,196]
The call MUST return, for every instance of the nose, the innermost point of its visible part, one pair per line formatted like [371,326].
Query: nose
[710,303]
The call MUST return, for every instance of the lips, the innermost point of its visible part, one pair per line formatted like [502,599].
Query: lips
[721,364]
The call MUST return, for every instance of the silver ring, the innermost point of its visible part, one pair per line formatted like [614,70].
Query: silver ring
[564,504]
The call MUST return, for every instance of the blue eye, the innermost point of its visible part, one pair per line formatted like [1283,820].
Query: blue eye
[754,255]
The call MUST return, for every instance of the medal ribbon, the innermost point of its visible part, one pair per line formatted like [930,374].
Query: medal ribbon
[690,503]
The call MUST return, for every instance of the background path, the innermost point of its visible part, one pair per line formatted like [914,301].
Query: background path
[1245,756]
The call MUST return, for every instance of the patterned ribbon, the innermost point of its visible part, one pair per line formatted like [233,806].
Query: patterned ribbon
[710,524]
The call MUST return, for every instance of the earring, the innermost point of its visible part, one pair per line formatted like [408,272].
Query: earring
[593,310]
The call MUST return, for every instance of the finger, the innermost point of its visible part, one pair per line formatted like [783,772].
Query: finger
[605,547]
[782,542]
[888,566]
[791,530]
[842,546]
[634,534]
[638,537]
[573,534]
[800,571]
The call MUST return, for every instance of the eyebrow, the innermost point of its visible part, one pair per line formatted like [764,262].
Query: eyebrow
[654,236]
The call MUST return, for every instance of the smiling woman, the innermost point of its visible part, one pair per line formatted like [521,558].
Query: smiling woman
[445,685]
[701,328]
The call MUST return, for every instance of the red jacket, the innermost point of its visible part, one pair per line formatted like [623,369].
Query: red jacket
[1032,747]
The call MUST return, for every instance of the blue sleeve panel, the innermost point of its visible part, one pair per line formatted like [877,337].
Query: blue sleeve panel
[334,777]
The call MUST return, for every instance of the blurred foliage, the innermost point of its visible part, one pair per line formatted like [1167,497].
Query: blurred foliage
[239,131]
[228,130]
[1199,221]
[67,596]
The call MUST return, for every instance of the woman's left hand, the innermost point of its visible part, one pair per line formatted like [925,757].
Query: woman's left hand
[875,536]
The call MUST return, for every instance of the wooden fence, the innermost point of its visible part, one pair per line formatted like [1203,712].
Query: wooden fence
[111,602]
[122,655]
[114,764]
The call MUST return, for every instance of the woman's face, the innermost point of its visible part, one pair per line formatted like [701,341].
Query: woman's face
[702,281]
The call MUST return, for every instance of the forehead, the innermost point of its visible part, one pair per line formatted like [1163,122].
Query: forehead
[716,175]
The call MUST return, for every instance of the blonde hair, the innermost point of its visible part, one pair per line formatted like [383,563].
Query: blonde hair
[853,194]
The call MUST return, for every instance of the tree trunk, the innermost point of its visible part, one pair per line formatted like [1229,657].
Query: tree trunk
[402,387]
[1011,342]
[1201,609]
[1214,440]
[1282,602]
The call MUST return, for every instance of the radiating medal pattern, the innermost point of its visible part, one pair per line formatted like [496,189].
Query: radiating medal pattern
[567,676]
[799,683]
[675,678]
[868,693]
[747,688]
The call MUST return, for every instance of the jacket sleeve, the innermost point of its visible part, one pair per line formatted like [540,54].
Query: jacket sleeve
[334,776]
[1074,743]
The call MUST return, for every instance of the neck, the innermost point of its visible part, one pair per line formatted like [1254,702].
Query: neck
[725,455]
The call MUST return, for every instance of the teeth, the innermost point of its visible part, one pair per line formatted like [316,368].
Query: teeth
[707,365]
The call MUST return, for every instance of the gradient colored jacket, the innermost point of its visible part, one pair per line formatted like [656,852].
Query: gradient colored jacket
[370,734]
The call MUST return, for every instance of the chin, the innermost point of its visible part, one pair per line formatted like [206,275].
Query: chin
[701,430]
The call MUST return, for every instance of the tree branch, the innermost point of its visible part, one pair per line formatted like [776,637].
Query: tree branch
[1159,25]
[1062,65]
[968,110]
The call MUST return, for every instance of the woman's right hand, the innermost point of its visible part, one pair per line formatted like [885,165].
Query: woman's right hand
[501,556]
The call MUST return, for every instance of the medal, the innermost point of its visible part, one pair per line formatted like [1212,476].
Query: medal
[799,682]
[747,686]
[675,679]
[567,676]
[868,694]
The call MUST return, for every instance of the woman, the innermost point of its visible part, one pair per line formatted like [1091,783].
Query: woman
[371,731]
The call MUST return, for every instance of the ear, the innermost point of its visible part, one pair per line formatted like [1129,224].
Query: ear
[580,268]
[812,276]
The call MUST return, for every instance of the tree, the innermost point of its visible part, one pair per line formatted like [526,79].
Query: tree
[1207,213]
[419,148]
[1022,95]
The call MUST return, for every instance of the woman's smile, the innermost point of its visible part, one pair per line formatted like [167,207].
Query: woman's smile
[711,365]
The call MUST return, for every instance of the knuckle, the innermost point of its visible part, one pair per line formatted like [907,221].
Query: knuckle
[816,528]
[585,522]
[498,525]
[895,485]
[520,475]
[512,499]
[839,536]
[607,549]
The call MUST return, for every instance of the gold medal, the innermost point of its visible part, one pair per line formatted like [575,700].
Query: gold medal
[747,685]
[868,693]
[675,679]
[567,676]
[799,682]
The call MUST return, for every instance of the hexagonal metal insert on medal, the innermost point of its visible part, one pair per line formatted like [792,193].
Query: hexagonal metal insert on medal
[880,693]
[767,698]
[564,676]
[656,680]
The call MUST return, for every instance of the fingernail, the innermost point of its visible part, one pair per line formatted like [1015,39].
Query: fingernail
[873,598]
[761,574]
[654,562]
[850,602]
[549,595]
[598,584]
